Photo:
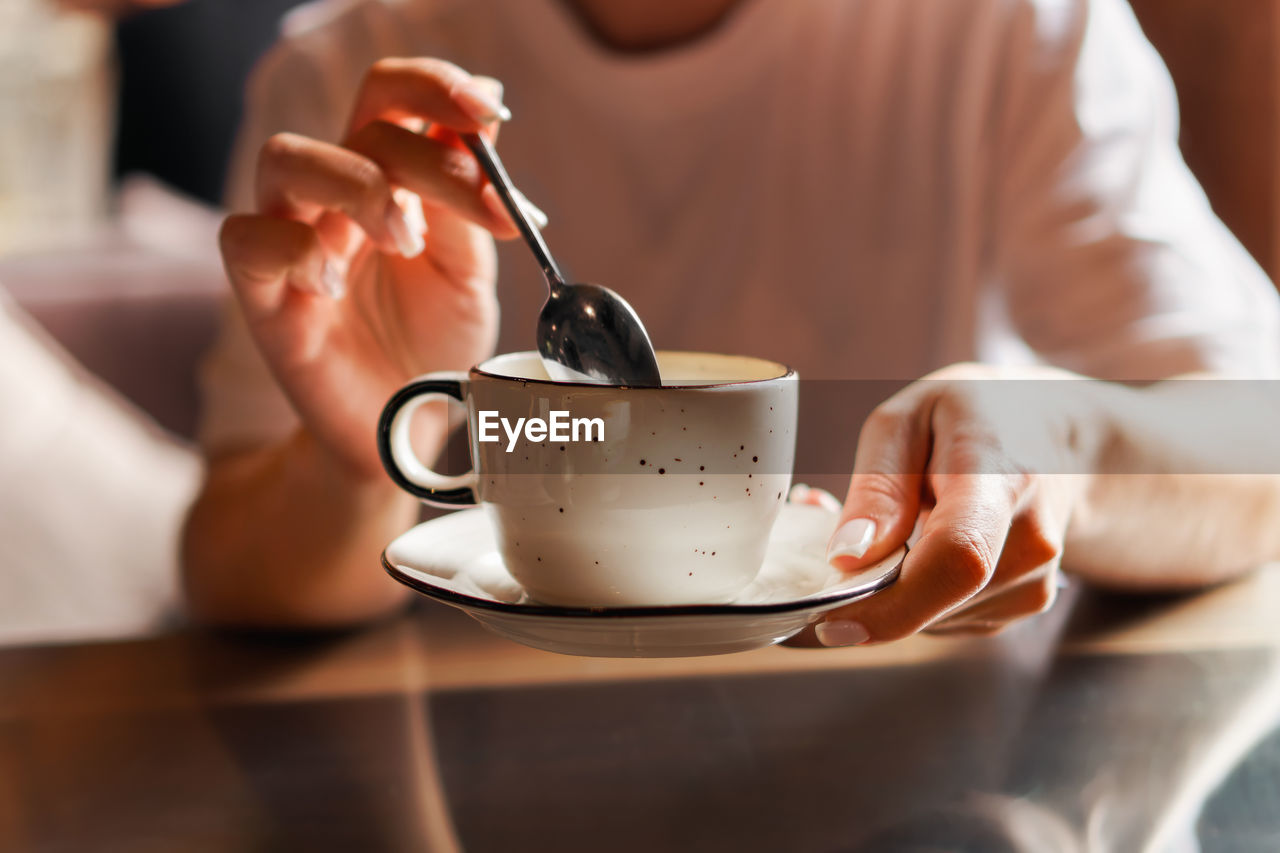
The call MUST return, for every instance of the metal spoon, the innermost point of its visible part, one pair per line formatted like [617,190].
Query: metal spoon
[586,332]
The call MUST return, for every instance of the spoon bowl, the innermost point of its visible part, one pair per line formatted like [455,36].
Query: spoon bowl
[588,333]
[585,332]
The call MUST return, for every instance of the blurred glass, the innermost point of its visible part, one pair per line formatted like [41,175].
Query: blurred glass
[57,90]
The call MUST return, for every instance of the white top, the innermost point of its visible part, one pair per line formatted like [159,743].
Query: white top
[862,189]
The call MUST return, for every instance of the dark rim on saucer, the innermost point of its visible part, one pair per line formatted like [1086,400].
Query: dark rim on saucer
[448,596]
[788,373]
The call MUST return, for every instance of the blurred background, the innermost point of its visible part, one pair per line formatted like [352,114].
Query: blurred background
[119,117]
[1226,67]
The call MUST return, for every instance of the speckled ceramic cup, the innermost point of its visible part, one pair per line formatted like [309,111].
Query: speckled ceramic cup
[673,506]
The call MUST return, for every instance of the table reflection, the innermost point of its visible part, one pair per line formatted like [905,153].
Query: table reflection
[377,742]
[1102,754]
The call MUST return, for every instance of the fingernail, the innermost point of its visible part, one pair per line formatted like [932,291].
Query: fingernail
[408,241]
[841,632]
[478,101]
[332,280]
[852,539]
[411,203]
[801,493]
[826,500]
[490,84]
[531,210]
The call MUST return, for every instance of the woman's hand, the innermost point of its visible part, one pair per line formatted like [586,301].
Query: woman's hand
[373,261]
[990,469]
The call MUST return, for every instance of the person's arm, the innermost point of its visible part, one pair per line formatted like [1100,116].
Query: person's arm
[286,536]
[1186,489]
[363,265]
[1109,263]
[1014,474]
[1104,252]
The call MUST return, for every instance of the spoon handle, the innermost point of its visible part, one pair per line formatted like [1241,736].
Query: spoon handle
[483,149]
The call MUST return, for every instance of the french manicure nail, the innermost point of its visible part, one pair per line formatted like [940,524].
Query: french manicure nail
[408,241]
[491,84]
[853,539]
[826,500]
[411,203]
[802,493]
[841,632]
[480,103]
[531,210]
[332,280]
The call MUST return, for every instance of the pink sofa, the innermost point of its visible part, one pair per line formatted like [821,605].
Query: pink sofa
[138,306]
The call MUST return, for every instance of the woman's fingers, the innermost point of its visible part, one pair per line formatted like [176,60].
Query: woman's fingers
[305,179]
[431,89]
[266,256]
[408,74]
[991,532]
[302,178]
[311,181]
[884,497]
[988,554]
[953,560]
[1033,594]
[442,175]
[1025,581]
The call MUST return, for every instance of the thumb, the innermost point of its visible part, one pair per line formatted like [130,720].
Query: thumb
[883,503]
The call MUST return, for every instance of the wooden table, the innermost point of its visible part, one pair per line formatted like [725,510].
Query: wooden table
[1110,724]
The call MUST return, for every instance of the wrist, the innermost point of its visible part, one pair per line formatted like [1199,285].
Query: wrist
[1092,430]
[314,460]
[1097,447]
[1101,430]
[351,456]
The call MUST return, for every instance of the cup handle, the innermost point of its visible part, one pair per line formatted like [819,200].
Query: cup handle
[396,450]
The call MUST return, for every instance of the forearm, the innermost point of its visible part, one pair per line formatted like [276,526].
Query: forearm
[286,537]
[1185,490]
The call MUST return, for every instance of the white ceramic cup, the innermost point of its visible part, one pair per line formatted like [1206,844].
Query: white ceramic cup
[673,506]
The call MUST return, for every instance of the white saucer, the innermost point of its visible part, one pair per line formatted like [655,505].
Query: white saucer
[454,559]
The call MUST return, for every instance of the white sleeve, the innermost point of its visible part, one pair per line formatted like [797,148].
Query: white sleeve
[92,500]
[1109,258]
